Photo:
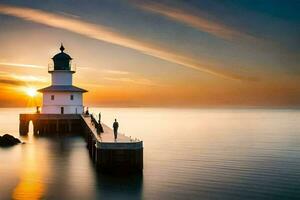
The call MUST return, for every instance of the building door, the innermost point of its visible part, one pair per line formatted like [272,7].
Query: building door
[61,110]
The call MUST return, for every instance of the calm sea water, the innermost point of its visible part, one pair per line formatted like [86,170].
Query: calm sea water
[188,154]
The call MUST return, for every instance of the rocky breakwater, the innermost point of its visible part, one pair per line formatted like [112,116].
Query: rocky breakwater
[8,140]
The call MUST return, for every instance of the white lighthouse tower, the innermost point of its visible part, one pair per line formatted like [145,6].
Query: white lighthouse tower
[62,97]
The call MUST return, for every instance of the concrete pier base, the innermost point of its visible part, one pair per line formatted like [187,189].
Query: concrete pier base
[116,159]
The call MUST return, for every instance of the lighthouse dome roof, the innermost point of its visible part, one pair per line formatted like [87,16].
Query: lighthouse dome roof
[62,55]
[62,60]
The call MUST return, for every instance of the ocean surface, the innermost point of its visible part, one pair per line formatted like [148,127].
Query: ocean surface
[188,154]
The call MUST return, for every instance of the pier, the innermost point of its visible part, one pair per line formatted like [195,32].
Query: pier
[123,155]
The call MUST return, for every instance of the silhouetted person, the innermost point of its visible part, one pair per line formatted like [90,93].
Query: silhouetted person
[99,118]
[116,126]
[38,110]
[100,128]
[87,111]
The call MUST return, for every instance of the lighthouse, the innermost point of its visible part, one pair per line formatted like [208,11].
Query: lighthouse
[61,97]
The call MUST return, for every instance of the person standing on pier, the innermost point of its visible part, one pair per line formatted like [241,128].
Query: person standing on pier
[116,126]
[100,128]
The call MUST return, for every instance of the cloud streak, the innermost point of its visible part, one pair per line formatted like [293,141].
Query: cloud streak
[29,78]
[117,72]
[4,81]
[201,23]
[103,33]
[19,80]
[141,81]
[22,65]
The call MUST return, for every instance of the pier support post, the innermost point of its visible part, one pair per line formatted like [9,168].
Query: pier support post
[23,127]
[57,126]
[35,127]
[69,126]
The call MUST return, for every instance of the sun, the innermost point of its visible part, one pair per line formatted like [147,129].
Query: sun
[31,91]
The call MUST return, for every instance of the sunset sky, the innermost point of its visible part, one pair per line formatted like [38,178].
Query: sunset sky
[155,53]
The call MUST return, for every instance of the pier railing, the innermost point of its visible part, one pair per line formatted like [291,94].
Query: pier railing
[94,121]
[97,124]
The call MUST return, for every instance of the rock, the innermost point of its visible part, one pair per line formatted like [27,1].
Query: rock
[8,140]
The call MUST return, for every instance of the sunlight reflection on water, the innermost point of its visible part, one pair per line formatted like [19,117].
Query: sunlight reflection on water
[189,153]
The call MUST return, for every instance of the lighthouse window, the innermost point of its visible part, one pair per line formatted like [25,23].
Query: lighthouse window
[71,97]
[52,97]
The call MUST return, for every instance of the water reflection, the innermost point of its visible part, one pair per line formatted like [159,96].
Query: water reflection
[59,167]
[119,186]
[31,184]
[189,154]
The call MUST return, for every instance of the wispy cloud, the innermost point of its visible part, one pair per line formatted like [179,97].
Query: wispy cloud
[121,77]
[22,65]
[116,72]
[68,14]
[195,20]
[108,71]
[140,81]
[19,80]
[15,80]
[4,81]
[103,33]
[29,78]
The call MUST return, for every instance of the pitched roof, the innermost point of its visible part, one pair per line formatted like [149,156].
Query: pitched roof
[62,88]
